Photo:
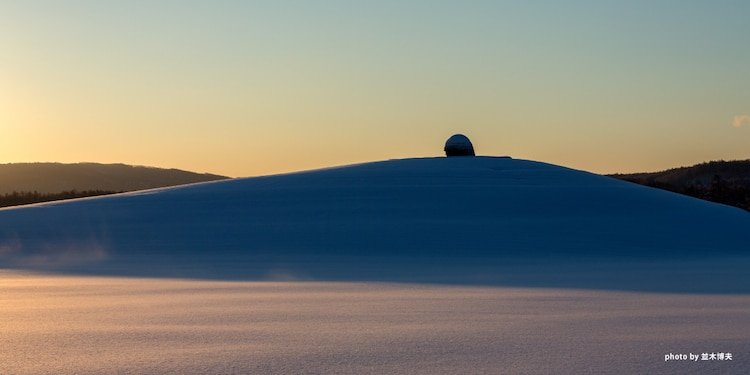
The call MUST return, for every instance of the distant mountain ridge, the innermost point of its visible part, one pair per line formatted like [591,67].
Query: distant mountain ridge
[49,178]
[726,182]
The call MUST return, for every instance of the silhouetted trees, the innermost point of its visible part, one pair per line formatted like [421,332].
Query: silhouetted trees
[17,198]
[57,177]
[726,182]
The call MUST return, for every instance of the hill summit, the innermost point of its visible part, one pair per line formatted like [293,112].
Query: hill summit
[475,219]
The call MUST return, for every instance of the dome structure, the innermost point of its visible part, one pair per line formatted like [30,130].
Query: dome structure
[458,145]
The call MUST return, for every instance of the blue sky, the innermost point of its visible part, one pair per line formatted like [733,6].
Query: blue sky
[247,88]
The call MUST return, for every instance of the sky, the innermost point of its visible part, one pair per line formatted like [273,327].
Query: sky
[246,88]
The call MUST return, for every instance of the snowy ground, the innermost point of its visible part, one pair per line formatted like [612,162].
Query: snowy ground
[93,325]
[435,265]
[481,220]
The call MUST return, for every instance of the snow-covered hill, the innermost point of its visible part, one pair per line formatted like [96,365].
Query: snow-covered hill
[465,219]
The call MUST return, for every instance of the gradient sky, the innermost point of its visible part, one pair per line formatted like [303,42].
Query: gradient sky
[247,88]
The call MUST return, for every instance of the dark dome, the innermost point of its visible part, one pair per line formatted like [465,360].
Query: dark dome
[458,145]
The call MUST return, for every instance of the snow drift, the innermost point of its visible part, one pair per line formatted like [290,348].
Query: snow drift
[474,219]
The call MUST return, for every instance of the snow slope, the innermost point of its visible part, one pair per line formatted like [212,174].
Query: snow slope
[458,220]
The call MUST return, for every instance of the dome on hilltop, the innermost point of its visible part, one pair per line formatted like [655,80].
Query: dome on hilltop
[458,145]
